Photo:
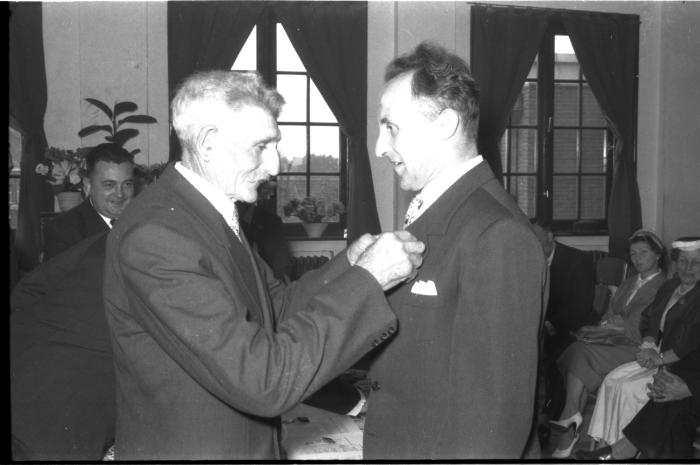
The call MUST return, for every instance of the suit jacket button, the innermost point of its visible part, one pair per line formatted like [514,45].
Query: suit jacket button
[375,386]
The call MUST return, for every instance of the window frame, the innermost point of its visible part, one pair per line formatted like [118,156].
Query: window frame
[266,62]
[545,126]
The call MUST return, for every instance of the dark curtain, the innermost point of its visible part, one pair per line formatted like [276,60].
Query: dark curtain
[504,44]
[331,39]
[204,36]
[27,90]
[607,49]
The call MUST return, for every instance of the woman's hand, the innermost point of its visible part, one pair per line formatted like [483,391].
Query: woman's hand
[649,358]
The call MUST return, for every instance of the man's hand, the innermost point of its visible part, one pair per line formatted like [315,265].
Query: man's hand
[356,249]
[668,387]
[392,258]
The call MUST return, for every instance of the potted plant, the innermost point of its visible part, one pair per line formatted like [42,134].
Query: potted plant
[115,132]
[314,213]
[63,169]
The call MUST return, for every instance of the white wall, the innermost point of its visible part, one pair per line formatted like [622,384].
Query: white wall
[669,69]
[111,51]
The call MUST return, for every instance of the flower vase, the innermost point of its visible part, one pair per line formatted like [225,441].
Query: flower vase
[68,200]
[315,230]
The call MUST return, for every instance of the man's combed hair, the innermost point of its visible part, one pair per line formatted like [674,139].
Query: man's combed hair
[193,100]
[107,152]
[442,79]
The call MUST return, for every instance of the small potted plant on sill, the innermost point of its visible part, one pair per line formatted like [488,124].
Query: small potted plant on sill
[314,214]
[63,169]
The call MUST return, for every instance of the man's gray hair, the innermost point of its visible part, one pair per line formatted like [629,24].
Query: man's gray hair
[201,93]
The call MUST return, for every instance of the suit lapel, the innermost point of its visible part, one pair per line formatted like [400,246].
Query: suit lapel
[207,216]
[435,220]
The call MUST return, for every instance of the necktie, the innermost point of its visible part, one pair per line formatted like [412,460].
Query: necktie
[112,221]
[233,222]
[412,211]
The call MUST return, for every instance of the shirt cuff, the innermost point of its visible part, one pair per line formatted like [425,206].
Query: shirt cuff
[357,409]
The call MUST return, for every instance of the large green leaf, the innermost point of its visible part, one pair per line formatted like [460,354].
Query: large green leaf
[124,135]
[93,129]
[102,106]
[121,107]
[144,119]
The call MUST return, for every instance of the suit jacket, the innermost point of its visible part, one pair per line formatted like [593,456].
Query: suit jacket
[71,227]
[209,349]
[458,379]
[571,291]
[62,374]
[681,330]
[632,313]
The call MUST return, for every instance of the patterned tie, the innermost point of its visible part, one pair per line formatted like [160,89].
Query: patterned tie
[413,209]
[233,222]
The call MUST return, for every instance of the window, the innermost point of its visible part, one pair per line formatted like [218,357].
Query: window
[15,140]
[313,148]
[557,148]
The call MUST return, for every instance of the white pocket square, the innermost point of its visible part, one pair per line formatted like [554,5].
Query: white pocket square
[424,288]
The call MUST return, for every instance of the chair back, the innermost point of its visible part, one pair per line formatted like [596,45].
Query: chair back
[610,271]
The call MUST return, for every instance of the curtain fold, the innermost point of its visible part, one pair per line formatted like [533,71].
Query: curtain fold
[331,40]
[607,49]
[27,90]
[205,35]
[505,42]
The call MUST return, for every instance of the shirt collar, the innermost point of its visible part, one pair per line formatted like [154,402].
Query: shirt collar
[220,201]
[439,185]
[106,219]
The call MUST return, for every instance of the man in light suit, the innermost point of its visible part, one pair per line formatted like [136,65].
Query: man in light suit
[457,380]
[109,184]
[209,348]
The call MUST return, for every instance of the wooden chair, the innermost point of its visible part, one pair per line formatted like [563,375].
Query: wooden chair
[610,271]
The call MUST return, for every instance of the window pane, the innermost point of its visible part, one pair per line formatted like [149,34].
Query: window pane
[246,59]
[524,151]
[287,58]
[593,197]
[320,113]
[524,190]
[325,153]
[565,104]
[524,111]
[292,149]
[533,70]
[565,63]
[326,188]
[592,115]
[593,151]
[565,198]
[293,89]
[565,151]
[288,188]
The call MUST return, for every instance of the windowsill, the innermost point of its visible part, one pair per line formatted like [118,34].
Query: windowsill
[588,242]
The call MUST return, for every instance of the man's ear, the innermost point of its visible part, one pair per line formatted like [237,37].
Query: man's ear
[447,123]
[206,141]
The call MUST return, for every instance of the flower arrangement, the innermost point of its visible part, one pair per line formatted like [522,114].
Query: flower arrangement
[313,210]
[63,168]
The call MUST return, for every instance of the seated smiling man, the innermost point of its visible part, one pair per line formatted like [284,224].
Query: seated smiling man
[109,184]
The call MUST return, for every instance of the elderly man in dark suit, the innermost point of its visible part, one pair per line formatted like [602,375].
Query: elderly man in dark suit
[61,369]
[209,348]
[109,185]
[569,307]
[458,379]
